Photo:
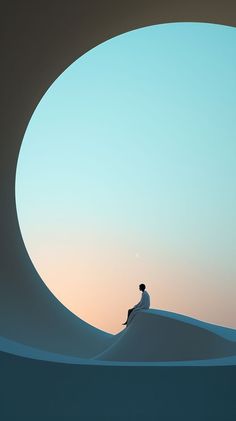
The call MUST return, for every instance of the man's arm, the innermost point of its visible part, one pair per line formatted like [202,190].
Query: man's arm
[139,305]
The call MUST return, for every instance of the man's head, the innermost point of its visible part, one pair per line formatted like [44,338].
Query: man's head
[142,287]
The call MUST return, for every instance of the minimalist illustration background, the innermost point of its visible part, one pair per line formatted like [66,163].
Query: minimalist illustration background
[53,364]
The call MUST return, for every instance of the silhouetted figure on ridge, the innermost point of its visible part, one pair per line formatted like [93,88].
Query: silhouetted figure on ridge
[143,304]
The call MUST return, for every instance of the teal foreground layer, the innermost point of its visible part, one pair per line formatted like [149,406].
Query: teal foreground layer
[182,369]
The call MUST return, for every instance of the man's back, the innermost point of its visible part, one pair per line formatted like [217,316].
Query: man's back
[144,302]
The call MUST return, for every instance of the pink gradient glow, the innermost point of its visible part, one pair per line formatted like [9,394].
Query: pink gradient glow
[99,285]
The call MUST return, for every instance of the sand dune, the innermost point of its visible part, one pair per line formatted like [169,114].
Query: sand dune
[154,337]
[162,336]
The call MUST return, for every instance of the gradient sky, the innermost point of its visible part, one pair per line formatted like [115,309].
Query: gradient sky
[127,173]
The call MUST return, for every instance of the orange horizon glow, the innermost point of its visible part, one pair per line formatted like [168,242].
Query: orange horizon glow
[84,287]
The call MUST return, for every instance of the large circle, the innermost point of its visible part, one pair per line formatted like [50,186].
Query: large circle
[138,136]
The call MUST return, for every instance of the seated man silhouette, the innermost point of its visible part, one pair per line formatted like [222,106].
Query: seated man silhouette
[143,304]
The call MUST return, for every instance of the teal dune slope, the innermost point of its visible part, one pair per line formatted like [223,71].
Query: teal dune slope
[154,337]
